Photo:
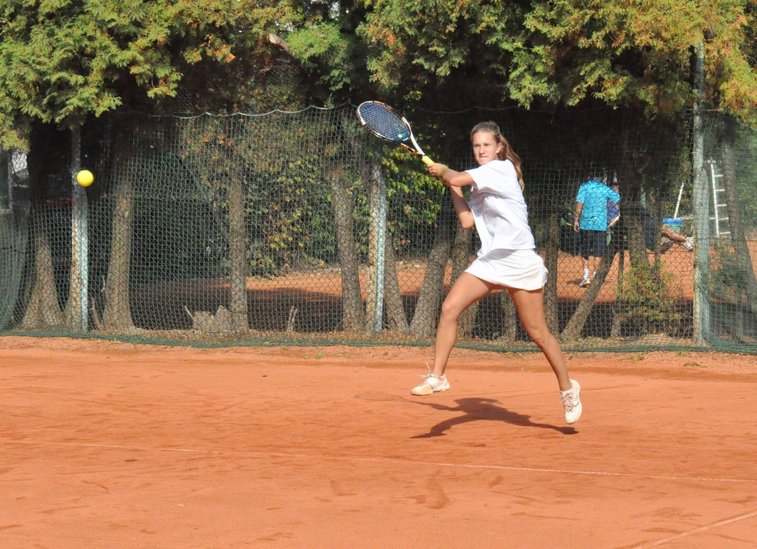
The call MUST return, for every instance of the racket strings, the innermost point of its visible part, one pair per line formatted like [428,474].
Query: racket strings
[384,122]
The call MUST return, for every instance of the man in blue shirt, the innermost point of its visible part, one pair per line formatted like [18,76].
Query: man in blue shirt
[591,224]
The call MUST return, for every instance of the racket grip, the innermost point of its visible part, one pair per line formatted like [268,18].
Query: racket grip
[426,160]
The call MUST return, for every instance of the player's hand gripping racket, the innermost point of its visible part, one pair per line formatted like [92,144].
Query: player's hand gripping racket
[388,124]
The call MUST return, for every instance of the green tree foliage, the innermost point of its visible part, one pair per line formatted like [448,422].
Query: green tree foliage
[323,42]
[418,47]
[328,51]
[565,52]
[62,60]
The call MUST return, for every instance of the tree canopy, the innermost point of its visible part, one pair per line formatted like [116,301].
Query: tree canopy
[565,52]
[64,60]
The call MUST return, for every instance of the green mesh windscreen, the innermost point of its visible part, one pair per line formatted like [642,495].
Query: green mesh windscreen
[292,227]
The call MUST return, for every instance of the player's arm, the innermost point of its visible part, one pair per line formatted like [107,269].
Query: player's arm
[450,177]
[463,211]
[457,179]
[577,217]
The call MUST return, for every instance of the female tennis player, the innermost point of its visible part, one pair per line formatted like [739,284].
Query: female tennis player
[507,259]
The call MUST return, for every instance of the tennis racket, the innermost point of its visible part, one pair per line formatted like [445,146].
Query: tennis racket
[388,124]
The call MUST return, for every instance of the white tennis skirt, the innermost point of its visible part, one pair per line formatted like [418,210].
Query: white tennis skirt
[522,269]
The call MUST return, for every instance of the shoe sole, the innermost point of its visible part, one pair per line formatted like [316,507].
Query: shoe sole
[426,390]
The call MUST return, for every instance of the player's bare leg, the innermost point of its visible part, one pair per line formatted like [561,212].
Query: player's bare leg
[467,290]
[530,307]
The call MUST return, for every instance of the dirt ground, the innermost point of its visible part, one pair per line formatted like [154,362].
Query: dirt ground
[678,263]
[110,444]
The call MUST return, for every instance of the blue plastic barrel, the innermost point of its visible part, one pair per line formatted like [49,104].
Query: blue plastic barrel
[675,223]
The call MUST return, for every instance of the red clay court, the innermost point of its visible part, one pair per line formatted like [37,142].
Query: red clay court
[119,445]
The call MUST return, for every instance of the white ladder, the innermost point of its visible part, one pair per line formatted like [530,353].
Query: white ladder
[720,212]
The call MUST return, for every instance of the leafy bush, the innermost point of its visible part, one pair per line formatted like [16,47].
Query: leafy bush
[648,300]
[728,277]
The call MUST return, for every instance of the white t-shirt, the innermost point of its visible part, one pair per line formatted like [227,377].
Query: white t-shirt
[499,209]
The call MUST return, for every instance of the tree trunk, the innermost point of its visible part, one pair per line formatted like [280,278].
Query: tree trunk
[117,312]
[630,176]
[377,233]
[551,303]
[43,309]
[353,316]
[353,312]
[617,325]
[429,298]
[77,305]
[395,308]
[576,323]
[637,248]
[237,247]
[509,316]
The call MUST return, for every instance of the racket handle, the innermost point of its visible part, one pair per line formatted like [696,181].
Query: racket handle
[426,160]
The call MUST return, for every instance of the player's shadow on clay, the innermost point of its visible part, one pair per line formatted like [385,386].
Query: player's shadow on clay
[483,409]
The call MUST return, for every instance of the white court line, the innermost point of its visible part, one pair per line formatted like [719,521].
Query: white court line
[374,459]
[698,530]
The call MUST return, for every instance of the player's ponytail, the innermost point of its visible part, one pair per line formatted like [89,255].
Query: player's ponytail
[507,152]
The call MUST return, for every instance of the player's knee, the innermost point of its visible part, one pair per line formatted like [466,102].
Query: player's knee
[540,335]
[451,310]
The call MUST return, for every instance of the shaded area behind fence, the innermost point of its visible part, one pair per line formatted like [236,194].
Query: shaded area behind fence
[245,228]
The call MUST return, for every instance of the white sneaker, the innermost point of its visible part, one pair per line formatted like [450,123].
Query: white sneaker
[689,244]
[571,402]
[431,384]
[585,281]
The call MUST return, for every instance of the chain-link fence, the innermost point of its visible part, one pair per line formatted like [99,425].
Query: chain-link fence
[299,227]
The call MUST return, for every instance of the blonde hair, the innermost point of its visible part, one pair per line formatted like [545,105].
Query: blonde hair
[507,152]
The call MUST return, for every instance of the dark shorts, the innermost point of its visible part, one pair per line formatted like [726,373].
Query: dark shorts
[649,229]
[593,243]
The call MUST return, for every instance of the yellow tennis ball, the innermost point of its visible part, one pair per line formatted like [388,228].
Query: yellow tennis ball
[85,178]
